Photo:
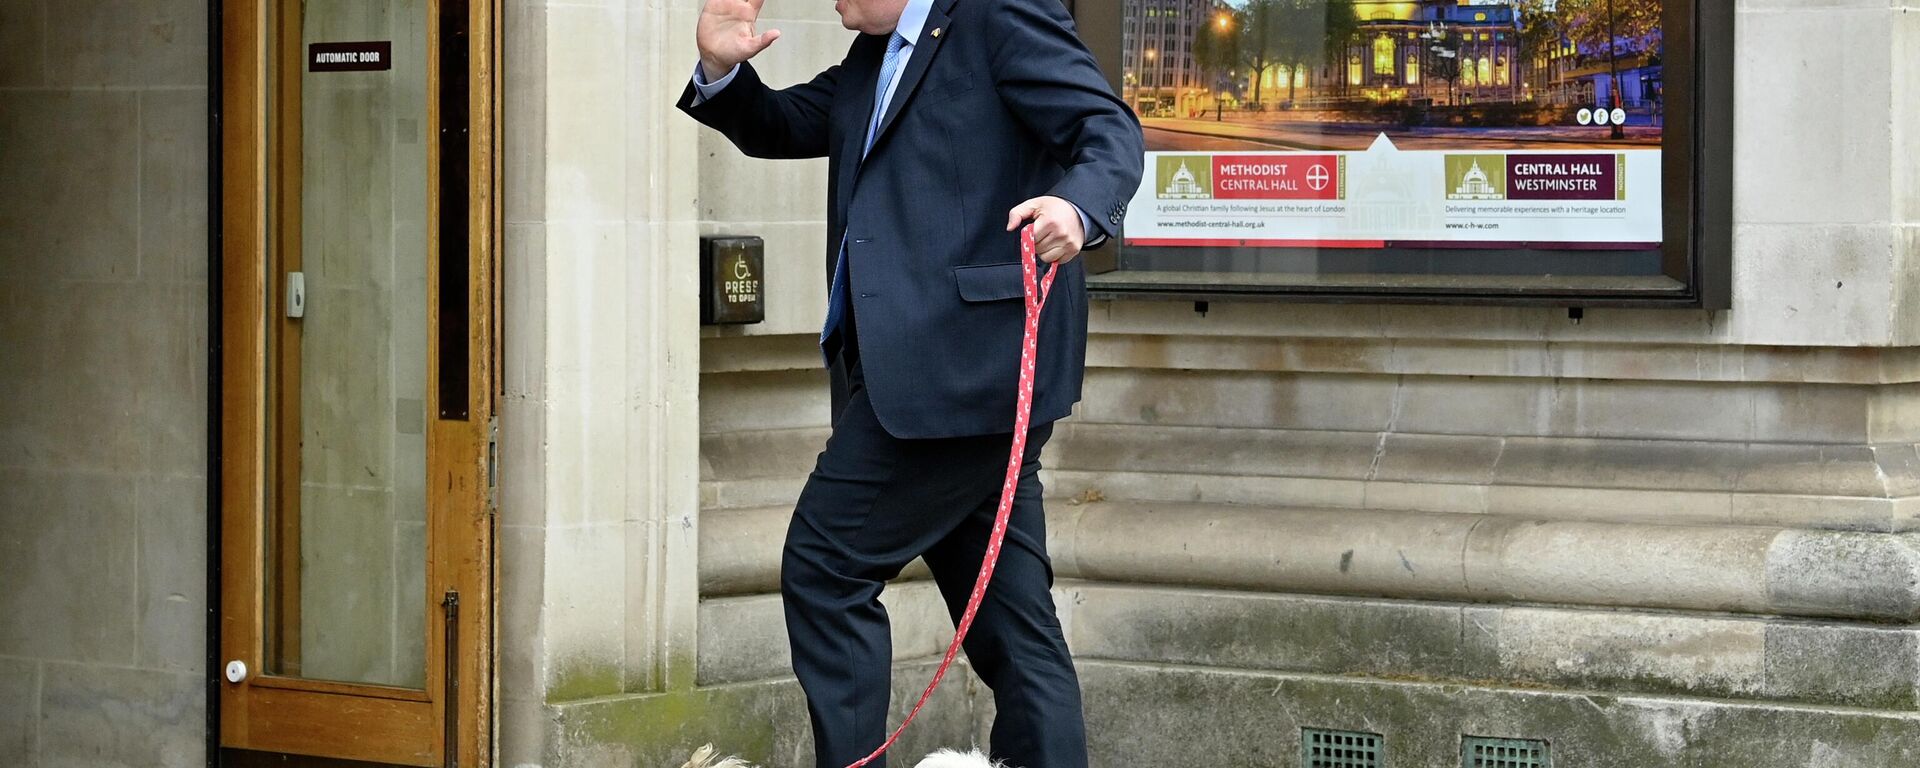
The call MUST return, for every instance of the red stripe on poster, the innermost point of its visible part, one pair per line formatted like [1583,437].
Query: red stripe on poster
[1201,242]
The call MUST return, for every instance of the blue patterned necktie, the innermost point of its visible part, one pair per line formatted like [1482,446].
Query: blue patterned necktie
[837,293]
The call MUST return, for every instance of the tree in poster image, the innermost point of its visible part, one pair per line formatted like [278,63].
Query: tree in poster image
[1443,58]
[1216,46]
[1542,32]
[1314,32]
[1610,25]
[1218,50]
[1590,23]
[1343,25]
[1261,32]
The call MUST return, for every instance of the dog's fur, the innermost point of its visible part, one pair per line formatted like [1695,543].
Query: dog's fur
[705,757]
[948,758]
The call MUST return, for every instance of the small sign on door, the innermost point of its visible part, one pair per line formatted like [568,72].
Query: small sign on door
[368,56]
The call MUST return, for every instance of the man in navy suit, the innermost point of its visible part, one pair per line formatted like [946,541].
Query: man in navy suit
[948,125]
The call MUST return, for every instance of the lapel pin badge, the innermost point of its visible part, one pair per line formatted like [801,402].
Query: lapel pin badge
[936,32]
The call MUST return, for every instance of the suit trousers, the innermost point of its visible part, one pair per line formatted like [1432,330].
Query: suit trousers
[872,504]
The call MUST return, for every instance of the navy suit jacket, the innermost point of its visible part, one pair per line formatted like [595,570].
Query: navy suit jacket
[999,103]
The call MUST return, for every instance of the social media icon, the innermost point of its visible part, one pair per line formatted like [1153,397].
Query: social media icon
[1619,116]
[1585,117]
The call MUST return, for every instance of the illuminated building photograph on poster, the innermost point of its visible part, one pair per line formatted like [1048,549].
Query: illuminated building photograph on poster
[1533,133]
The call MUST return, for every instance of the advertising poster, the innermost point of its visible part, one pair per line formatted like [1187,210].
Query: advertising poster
[1377,124]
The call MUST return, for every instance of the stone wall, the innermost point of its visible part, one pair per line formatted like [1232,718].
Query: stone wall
[103,286]
[1651,537]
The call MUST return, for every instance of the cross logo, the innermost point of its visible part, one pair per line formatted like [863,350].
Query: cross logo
[1317,177]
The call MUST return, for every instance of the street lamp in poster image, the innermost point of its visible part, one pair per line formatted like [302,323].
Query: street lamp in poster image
[1443,56]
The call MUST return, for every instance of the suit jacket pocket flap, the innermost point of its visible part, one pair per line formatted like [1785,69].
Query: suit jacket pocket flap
[990,282]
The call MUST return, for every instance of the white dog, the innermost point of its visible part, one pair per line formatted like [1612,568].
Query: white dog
[704,757]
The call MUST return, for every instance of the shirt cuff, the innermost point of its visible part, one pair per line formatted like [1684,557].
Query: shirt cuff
[705,90]
[1087,234]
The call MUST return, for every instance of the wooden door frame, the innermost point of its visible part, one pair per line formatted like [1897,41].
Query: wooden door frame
[297,716]
[285,252]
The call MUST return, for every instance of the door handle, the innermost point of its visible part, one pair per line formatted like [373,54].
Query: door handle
[450,606]
[296,295]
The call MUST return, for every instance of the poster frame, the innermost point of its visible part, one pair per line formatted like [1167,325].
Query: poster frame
[1697,186]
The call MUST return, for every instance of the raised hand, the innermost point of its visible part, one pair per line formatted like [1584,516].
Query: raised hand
[726,36]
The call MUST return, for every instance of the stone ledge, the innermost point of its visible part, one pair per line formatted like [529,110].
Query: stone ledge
[740,552]
[1479,558]
[745,638]
[1140,714]
[722,352]
[1526,502]
[762,400]
[1764,570]
[761,453]
[1828,486]
[751,493]
[1513,358]
[1811,469]
[1791,413]
[1532,647]
[1344,350]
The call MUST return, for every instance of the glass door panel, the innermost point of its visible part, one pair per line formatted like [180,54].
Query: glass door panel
[347,583]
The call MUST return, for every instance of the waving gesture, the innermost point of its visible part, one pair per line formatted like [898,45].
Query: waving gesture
[726,37]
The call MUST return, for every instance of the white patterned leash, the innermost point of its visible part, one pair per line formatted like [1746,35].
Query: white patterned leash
[1037,288]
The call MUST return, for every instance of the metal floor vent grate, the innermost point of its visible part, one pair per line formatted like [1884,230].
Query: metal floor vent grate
[1484,752]
[1340,749]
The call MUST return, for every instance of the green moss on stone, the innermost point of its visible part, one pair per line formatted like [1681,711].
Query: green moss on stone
[577,681]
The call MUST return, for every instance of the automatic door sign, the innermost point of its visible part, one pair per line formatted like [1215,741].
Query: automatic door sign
[370,56]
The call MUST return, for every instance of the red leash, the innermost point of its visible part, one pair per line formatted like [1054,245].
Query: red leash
[1037,289]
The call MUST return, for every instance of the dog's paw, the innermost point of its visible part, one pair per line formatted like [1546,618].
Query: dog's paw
[704,757]
[948,758]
